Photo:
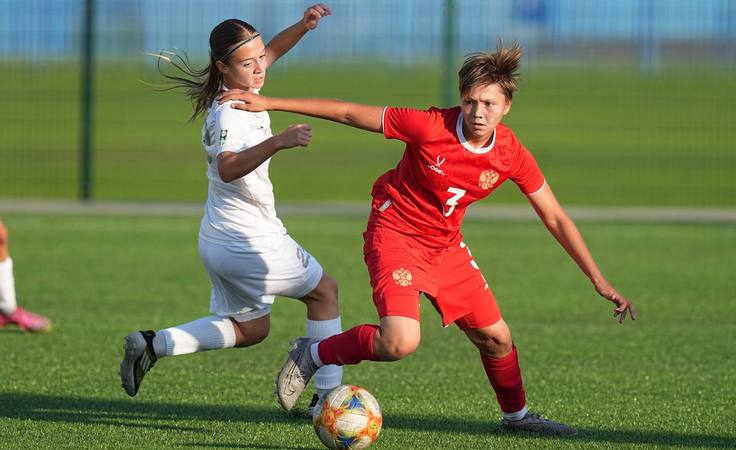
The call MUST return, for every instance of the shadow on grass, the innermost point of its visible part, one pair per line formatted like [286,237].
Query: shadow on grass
[12,330]
[135,413]
[257,446]
[584,436]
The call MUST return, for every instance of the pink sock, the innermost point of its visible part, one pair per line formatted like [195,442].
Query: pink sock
[505,377]
[349,347]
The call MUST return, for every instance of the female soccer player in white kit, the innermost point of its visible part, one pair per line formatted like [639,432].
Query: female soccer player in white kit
[243,245]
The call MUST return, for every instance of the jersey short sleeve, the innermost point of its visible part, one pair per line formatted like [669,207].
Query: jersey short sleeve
[525,172]
[412,126]
[231,130]
[230,137]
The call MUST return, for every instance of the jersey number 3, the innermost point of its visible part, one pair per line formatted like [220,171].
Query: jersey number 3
[452,201]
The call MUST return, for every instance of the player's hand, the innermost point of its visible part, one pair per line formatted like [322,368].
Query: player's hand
[313,14]
[245,100]
[623,306]
[296,135]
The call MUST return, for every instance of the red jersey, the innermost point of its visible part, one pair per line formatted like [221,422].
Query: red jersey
[440,174]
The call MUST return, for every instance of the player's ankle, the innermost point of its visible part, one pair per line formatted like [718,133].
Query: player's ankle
[314,350]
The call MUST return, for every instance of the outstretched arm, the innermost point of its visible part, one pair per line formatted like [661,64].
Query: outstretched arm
[567,234]
[355,115]
[284,41]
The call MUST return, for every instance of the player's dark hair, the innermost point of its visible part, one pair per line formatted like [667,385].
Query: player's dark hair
[202,86]
[500,67]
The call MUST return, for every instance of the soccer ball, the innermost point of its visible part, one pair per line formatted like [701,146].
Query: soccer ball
[348,417]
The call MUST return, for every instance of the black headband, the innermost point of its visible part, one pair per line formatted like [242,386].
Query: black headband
[238,45]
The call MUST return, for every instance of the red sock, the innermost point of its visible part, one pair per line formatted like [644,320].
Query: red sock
[505,377]
[349,347]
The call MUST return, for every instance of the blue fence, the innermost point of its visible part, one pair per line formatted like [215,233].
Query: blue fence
[398,31]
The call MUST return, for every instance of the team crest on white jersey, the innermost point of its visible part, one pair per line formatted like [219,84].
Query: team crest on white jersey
[436,166]
[402,277]
[487,179]
[223,137]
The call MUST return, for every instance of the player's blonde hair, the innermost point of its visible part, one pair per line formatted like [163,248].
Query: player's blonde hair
[500,67]
[202,86]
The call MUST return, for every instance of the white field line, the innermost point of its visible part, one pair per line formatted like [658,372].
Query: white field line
[491,212]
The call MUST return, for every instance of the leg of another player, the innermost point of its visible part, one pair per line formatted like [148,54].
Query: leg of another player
[7,282]
[4,252]
[10,312]
[323,321]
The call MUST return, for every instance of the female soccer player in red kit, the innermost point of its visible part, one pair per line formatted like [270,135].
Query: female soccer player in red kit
[413,242]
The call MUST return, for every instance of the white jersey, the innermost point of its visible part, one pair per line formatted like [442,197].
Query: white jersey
[244,209]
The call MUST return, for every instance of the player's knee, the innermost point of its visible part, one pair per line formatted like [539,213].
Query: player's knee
[394,349]
[259,335]
[503,345]
[252,332]
[497,344]
[329,295]
[325,294]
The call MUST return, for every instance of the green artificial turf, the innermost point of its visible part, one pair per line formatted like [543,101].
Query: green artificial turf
[665,380]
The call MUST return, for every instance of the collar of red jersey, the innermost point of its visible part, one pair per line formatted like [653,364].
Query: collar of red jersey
[466,144]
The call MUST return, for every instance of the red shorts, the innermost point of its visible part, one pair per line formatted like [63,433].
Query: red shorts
[401,268]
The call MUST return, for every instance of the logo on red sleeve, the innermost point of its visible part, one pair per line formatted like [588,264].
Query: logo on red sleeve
[487,179]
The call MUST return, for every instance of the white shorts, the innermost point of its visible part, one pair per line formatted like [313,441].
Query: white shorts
[245,280]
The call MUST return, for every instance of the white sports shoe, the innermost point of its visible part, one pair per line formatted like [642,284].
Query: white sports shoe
[296,373]
[138,359]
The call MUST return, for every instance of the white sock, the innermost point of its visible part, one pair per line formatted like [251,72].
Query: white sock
[518,415]
[314,350]
[7,287]
[207,333]
[327,377]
